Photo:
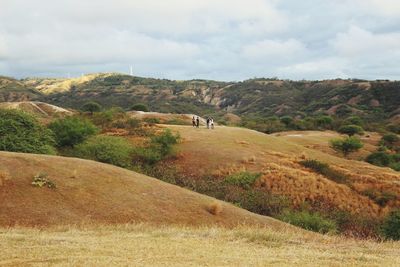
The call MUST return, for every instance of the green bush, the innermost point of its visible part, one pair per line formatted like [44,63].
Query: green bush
[346,145]
[243,179]
[391,226]
[165,142]
[351,130]
[41,180]
[140,107]
[353,120]
[390,140]
[21,132]
[310,221]
[108,149]
[152,120]
[381,159]
[71,131]
[91,107]
[325,170]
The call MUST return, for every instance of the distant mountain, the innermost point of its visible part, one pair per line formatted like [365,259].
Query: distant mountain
[261,97]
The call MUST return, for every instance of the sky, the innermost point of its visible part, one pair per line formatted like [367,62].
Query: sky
[227,40]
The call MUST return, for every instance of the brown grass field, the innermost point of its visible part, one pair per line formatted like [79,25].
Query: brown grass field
[144,245]
[227,150]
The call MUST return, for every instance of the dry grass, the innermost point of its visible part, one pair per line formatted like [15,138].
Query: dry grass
[228,150]
[144,245]
[215,208]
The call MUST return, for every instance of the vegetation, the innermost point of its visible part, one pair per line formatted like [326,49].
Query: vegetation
[106,149]
[91,107]
[243,179]
[351,130]
[310,221]
[71,131]
[391,141]
[346,145]
[324,169]
[41,180]
[391,226]
[140,107]
[21,132]
[381,198]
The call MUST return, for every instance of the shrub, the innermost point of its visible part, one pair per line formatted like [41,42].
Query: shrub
[391,226]
[21,132]
[91,107]
[71,131]
[390,140]
[164,142]
[140,107]
[353,120]
[287,120]
[346,145]
[152,120]
[324,122]
[381,159]
[310,221]
[325,170]
[351,130]
[243,179]
[107,149]
[380,198]
[41,180]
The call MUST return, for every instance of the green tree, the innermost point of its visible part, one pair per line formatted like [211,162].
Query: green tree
[379,159]
[21,132]
[287,120]
[71,131]
[354,120]
[91,107]
[108,149]
[346,145]
[324,122]
[140,107]
[351,130]
[390,140]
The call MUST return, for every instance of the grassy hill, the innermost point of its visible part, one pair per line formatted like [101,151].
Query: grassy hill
[229,150]
[91,192]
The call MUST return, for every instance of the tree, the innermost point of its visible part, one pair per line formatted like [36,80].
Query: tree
[71,131]
[351,130]
[379,158]
[140,107]
[354,120]
[346,145]
[324,122]
[287,120]
[91,107]
[21,132]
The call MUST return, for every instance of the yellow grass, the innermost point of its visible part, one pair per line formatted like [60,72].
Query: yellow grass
[144,245]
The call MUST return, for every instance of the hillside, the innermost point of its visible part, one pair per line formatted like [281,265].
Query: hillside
[12,90]
[229,150]
[91,192]
[373,100]
[39,109]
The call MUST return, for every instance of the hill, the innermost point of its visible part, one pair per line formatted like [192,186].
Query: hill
[229,150]
[91,192]
[14,90]
[39,109]
[373,100]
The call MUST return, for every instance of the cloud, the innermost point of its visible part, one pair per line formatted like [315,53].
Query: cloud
[216,39]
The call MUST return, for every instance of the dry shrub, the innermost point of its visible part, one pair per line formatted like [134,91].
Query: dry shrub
[215,208]
[4,176]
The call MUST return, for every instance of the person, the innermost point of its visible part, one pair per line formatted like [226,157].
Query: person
[197,122]
[208,122]
[212,123]
[194,121]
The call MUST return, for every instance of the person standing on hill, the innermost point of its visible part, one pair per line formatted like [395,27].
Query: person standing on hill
[212,123]
[208,122]
[194,122]
[197,122]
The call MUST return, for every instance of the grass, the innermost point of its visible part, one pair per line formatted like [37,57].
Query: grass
[144,245]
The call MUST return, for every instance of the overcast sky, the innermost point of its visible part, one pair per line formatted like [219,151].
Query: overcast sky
[213,39]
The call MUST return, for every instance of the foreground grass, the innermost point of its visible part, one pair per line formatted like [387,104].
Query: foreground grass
[144,245]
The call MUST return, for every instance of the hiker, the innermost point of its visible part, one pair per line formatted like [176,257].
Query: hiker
[212,123]
[208,122]
[197,122]
[194,121]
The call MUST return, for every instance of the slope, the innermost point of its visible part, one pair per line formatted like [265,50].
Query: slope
[88,192]
[228,150]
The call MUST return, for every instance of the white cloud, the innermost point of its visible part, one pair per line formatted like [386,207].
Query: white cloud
[274,50]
